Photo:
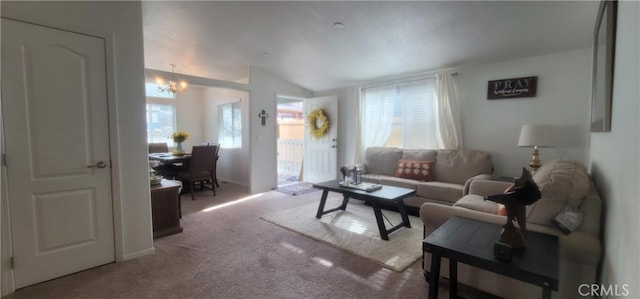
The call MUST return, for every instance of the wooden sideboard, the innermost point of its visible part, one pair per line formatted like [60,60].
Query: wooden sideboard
[165,208]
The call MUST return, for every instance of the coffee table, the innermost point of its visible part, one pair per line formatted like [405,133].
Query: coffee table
[387,194]
[471,242]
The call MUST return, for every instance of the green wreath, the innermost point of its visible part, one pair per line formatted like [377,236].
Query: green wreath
[318,123]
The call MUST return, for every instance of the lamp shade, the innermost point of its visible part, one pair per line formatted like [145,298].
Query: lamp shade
[540,135]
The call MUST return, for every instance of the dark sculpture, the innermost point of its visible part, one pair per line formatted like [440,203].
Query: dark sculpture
[345,172]
[523,192]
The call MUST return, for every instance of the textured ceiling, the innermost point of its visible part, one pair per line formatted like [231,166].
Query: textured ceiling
[220,40]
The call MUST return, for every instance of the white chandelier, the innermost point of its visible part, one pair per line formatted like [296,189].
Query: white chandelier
[171,87]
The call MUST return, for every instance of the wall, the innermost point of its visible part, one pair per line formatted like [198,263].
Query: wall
[563,99]
[614,159]
[234,163]
[120,24]
[190,115]
[264,89]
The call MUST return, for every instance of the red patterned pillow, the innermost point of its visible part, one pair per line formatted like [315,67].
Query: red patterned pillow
[415,170]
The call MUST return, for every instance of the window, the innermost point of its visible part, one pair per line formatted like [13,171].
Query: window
[230,125]
[161,122]
[400,115]
[151,89]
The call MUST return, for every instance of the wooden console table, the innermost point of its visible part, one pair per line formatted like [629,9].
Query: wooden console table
[165,208]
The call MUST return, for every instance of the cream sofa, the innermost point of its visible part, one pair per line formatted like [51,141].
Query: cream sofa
[453,172]
[560,183]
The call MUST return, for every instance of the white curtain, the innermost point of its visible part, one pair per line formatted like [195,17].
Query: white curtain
[424,111]
[448,132]
[375,118]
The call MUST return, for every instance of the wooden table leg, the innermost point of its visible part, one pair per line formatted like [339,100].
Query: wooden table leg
[434,279]
[546,293]
[323,200]
[345,201]
[453,279]
[384,234]
[403,214]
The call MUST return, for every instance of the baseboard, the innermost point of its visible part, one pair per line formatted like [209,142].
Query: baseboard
[223,179]
[139,254]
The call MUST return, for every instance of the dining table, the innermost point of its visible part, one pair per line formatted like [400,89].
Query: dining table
[170,157]
[170,165]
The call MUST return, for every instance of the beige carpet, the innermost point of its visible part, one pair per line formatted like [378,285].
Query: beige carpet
[355,231]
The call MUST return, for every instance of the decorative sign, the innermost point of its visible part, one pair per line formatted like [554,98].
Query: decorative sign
[512,88]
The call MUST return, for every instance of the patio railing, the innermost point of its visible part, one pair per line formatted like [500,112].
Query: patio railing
[290,154]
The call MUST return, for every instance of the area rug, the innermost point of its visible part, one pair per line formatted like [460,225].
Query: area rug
[355,231]
[296,189]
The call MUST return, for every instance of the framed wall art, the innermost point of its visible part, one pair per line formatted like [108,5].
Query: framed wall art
[525,87]
[603,60]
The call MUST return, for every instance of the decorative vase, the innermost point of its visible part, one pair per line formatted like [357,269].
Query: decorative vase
[179,149]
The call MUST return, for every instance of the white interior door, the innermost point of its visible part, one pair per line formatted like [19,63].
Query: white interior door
[321,154]
[54,101]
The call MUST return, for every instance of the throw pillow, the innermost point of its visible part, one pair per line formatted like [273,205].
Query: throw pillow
[415,170]
[502,210]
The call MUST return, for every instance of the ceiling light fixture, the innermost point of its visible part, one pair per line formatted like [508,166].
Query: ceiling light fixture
[171,87]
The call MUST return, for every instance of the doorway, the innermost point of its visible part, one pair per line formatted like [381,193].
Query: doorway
[290,140]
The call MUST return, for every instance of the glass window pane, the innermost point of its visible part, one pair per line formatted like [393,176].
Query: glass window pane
[400,115]
[230,125]
[160,122]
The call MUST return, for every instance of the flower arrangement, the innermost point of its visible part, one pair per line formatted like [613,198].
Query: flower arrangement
[179,136]
[318,123]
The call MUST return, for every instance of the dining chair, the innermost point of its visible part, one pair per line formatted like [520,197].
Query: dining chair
[202,168]
[167,170]
[158,148]
[215,174]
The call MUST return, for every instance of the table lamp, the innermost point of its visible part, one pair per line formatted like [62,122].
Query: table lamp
[538,135]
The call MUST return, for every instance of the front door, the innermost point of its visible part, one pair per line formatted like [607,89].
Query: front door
[321,152]
[54,105]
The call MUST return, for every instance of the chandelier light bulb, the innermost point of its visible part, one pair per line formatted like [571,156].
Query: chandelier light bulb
[171,87]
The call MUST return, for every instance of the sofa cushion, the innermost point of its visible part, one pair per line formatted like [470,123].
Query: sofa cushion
[457,166]
[477,203]
[382,160]
[419,154]
[419,170]
[398,182]
[442,191]
[561,182]
[371,178]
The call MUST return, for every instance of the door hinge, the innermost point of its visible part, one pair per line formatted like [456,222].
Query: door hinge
[4,159]
[11,263]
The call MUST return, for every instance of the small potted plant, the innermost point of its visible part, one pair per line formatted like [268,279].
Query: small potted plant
[179,137]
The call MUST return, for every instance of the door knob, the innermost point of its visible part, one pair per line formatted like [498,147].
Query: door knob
[100,164]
